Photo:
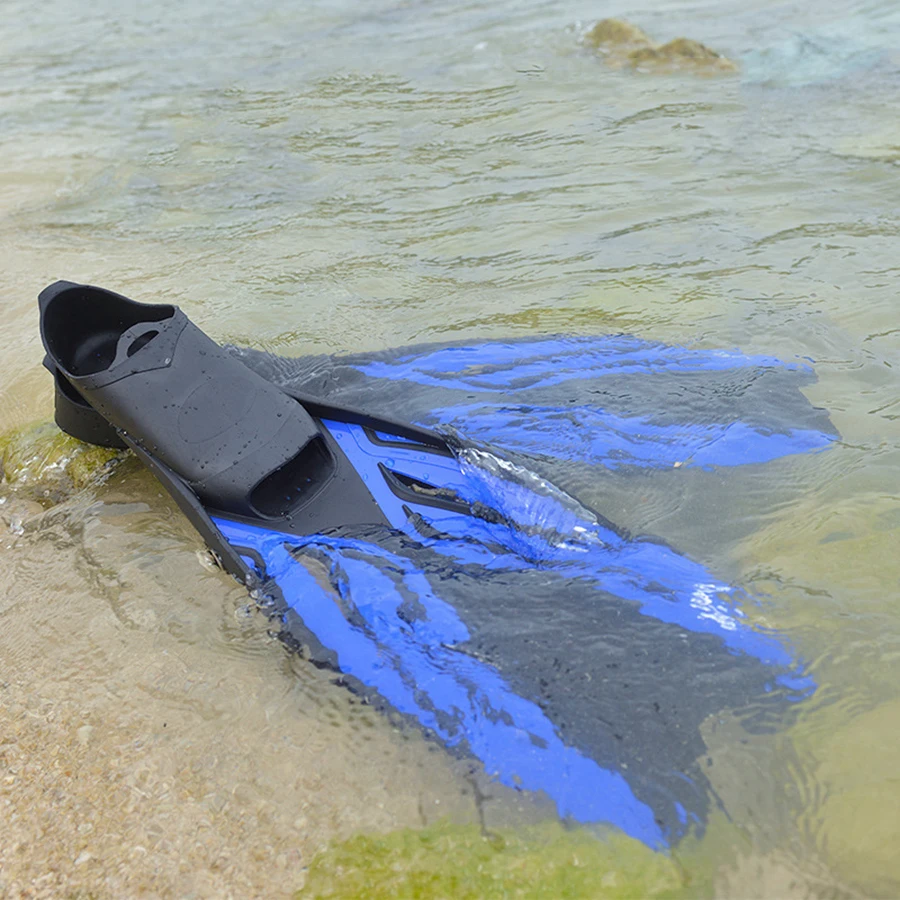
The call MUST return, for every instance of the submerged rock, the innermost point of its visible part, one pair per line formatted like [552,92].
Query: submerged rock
[462,861]
[43,462]
[682,53]
[611,33]
[624,45]
[858,820]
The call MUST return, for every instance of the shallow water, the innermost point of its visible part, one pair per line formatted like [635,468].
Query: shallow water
[343,180]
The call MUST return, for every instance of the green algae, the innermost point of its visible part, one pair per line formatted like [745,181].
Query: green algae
[41,461]
[462,862]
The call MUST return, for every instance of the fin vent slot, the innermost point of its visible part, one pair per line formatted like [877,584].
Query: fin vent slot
[292,484]
[422,441]
[413,490]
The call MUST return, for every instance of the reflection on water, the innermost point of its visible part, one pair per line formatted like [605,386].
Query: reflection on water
[345,180]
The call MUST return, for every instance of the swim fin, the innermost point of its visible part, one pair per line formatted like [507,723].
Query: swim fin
[226,443]
[460,589]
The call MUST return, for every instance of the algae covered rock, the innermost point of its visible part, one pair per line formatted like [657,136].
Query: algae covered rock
[612,33]
[460,861]
[624,45]
[682,53]
[43,462]
[858,820]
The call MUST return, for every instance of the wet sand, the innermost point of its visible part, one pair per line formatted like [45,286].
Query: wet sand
[155,740]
